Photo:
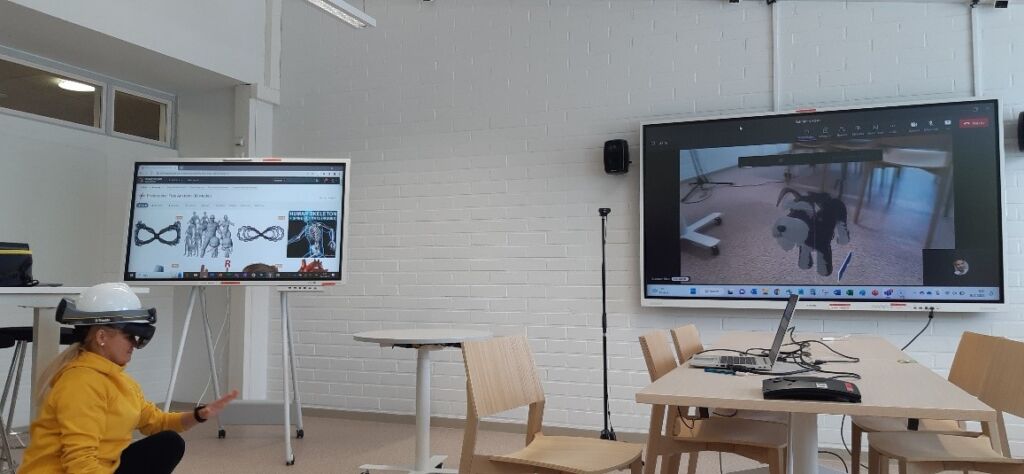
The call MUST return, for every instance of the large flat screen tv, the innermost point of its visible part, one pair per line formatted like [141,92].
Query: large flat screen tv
[223,221]
[881,208]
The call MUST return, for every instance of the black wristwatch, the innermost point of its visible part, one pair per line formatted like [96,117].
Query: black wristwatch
[195,413]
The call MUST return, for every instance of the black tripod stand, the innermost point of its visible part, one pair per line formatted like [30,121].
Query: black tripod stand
[702,178]
[608,432]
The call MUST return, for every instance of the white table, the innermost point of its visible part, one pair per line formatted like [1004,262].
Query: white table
[424,341]
[891,385]
[45,329]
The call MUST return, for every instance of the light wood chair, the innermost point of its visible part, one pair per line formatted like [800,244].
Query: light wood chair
[686,340]
[972,358]
[761,441]
[1002,388]
[500,376]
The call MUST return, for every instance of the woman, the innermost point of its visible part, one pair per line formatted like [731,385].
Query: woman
[89,406]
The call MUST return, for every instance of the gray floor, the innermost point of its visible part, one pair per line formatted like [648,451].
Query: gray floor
[341,445]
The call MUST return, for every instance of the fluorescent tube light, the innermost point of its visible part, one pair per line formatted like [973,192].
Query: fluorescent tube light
[74,86]
[345,12]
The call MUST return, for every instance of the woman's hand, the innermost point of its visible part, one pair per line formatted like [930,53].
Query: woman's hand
[213,408]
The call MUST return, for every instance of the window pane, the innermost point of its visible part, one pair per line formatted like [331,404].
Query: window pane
[31,90]
[139,116]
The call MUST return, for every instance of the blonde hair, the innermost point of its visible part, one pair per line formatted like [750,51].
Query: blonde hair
[45,381]
[51,371]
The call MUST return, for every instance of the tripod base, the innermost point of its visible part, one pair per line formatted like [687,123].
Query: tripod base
[608,434]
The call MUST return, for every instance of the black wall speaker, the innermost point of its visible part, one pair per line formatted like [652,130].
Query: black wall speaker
[616,156]
[1020,132]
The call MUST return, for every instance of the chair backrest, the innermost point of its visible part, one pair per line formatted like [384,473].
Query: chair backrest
[687,342]
[500,374]
[1003,387]
[657,355]
[970,364]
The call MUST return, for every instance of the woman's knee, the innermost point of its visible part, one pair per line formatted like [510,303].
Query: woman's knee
[172,442]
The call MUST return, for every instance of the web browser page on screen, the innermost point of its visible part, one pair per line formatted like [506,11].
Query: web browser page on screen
[231,221]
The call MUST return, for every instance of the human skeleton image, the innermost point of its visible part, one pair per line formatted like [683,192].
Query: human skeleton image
[316,229]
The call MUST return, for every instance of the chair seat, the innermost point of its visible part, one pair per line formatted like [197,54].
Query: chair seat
[736,431]
[877,424]
[24,333]
[574,455]
[928,447]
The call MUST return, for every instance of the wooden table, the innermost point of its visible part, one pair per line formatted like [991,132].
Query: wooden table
[892,384]
[424,341]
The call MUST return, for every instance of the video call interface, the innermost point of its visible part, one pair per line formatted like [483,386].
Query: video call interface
[895,203]
[236,221]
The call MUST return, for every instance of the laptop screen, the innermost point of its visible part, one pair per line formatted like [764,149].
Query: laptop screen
[787,315]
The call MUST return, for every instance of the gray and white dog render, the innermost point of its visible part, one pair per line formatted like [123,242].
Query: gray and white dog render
[812,221]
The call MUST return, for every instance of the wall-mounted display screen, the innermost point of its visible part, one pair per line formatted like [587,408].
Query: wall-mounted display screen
[875,208]
[251,222]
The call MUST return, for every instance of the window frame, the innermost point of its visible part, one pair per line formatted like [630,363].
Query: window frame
[168,117]
[70,75]
[109,85]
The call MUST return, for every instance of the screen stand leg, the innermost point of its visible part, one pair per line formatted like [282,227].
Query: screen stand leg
[288,368]
[196,294]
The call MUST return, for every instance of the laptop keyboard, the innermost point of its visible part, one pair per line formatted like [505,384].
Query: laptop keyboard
[738,360]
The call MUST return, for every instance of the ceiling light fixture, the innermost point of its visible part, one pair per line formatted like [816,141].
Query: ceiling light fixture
[74,86]
[345,12]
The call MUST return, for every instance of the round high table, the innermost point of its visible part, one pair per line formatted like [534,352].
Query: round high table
[424,341]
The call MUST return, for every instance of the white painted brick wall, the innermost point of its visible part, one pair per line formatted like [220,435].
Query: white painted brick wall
[476,127]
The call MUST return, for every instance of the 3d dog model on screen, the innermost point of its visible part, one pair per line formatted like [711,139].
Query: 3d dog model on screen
[813,220]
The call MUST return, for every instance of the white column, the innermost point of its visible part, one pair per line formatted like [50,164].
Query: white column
[254,127]
[250,334]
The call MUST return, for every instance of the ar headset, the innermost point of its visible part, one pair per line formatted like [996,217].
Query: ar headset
[108,304]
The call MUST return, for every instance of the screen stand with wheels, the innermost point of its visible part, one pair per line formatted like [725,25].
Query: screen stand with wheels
[255,412]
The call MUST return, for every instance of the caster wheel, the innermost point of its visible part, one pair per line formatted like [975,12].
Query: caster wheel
[221,434]
[290,463]
[300,434]
[718,221]
[714,250]
[439,466]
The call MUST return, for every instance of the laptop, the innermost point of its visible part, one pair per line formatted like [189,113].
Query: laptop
[758,363]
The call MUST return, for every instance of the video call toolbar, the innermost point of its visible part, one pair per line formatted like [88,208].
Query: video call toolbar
[825,292]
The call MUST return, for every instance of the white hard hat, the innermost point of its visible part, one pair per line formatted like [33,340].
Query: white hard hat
[108,297]
[110,304]
[105,303]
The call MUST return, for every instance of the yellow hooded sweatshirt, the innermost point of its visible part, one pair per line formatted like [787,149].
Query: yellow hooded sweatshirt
[88,418]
